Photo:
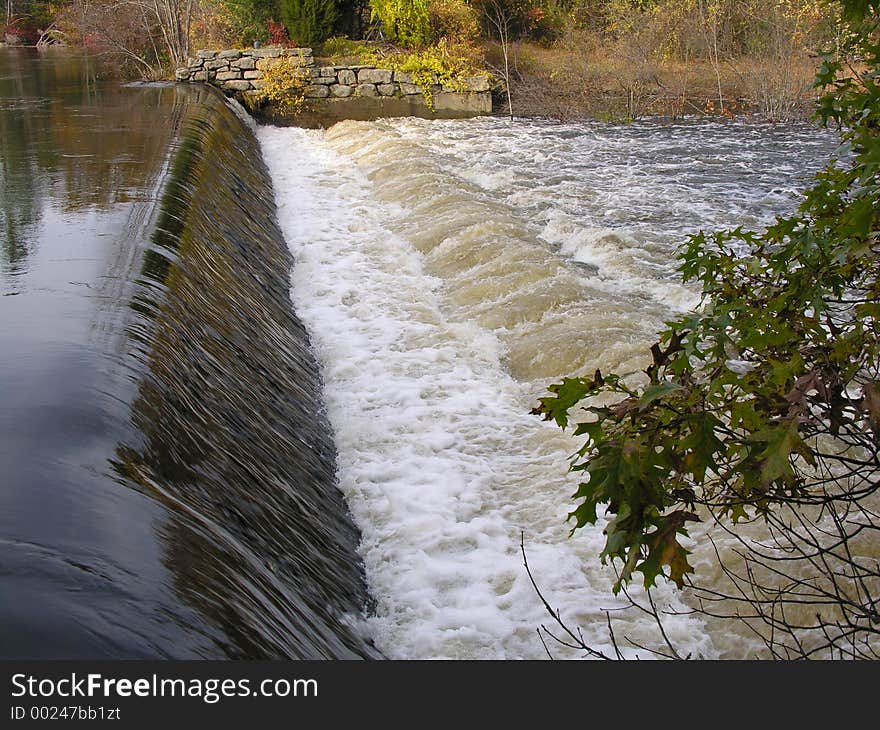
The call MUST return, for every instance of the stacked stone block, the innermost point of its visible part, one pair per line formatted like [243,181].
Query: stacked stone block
[239,70]
[344,81]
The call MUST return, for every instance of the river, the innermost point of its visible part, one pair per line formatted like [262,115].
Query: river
[227,436]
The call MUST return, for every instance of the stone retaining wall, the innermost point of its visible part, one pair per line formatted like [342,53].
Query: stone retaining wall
[344,81]
[241,71]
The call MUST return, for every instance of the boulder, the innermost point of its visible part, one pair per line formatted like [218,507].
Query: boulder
[375,76]
[347,77]
[476,83]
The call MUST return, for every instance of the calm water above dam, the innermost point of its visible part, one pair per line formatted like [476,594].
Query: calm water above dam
[166,477]
[224,434]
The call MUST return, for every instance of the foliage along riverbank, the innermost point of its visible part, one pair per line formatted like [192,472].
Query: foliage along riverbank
[568,59]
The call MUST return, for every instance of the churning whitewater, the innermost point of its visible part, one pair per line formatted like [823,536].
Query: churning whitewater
[447,273]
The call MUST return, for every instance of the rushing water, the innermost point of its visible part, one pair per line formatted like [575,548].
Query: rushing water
[448,272]
[166,470]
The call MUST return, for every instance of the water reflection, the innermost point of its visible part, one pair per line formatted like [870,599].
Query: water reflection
[69,143]
[166,478]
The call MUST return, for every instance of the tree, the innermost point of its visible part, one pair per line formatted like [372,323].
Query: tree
[497,17]
[249,18]
[759,415]
[308,21]
[150,34]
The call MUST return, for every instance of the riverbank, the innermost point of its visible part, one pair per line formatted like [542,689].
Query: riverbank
[581,79]
[583,75]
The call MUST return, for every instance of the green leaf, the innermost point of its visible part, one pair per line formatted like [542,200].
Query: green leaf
[665,550]
[775,460]
[569,392]
[655,392]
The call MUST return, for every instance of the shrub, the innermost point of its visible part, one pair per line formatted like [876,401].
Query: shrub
[445,63]
[284,85]
[454,20]
[339,47]
[406,21]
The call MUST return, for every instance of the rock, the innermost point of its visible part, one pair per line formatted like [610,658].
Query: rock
[206,54]
[228,75]
[341,91]
[317,91]
[320,76]
[375,76]
[229,54]
[476,83]
[408,89]
[216,65]
[253,74]
[200,76]
[237,85]
[195,62]
[366,90]
[265,53]
[385,89]
[181,74]
[327,71]
[347,77]
[245,63]
[475,103]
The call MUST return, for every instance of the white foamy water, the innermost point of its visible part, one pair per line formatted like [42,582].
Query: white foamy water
[447,273]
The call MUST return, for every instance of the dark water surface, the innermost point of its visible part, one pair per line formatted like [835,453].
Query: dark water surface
[166,473]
